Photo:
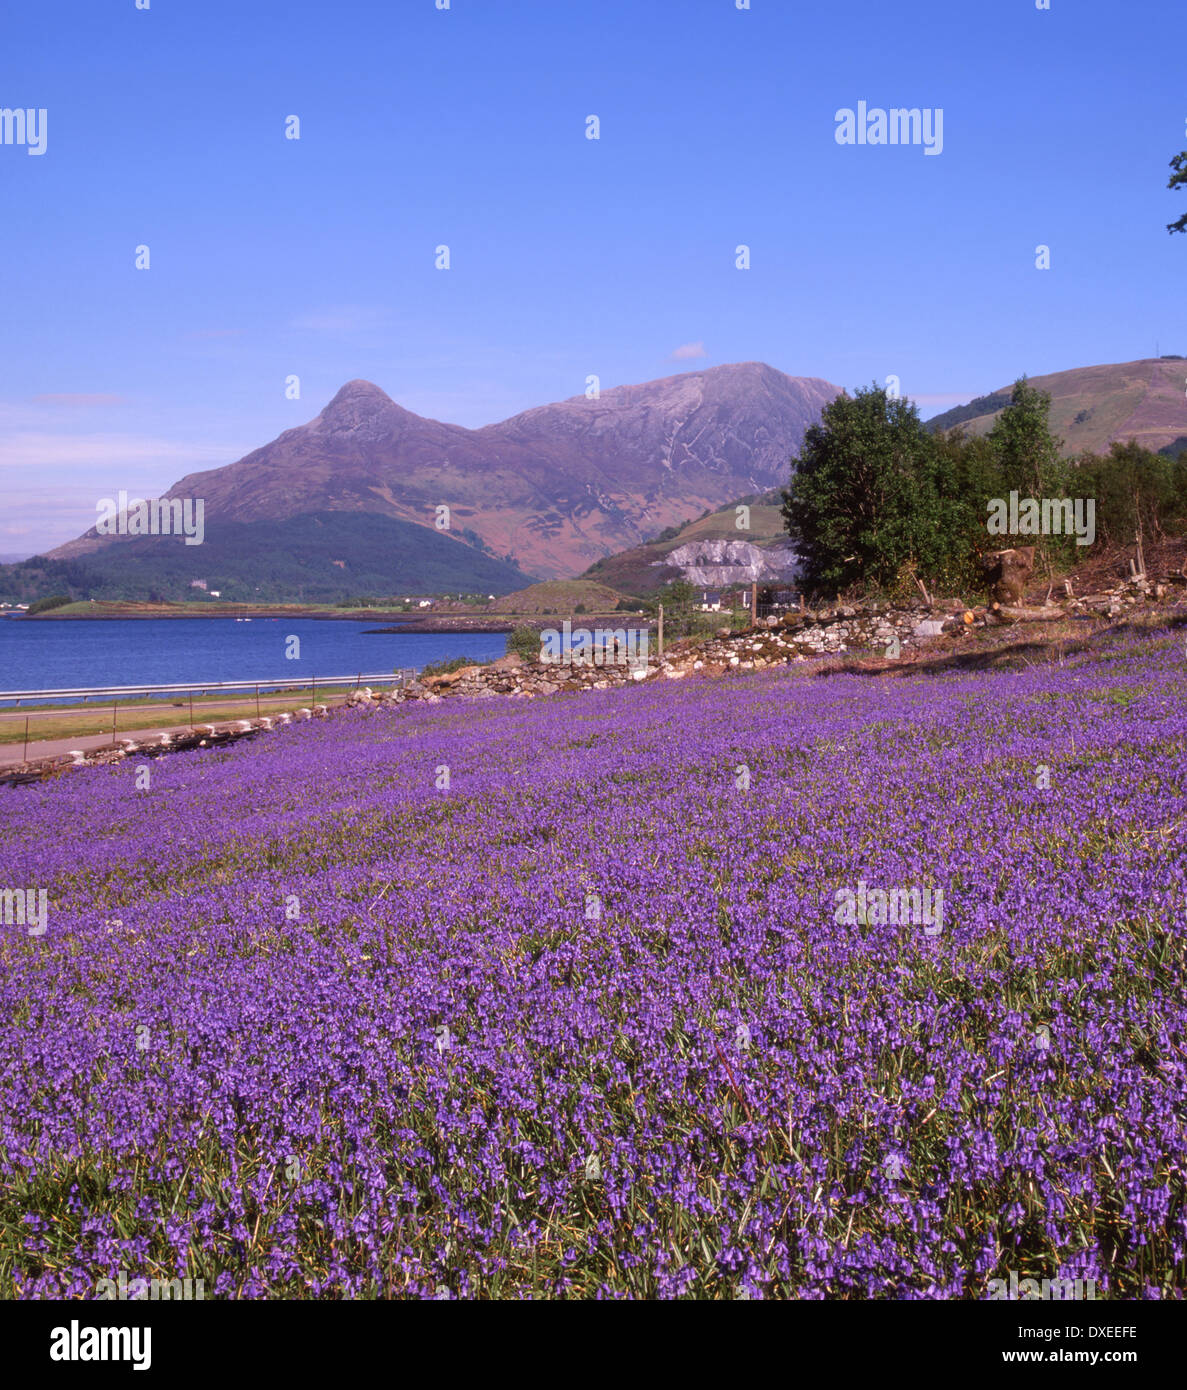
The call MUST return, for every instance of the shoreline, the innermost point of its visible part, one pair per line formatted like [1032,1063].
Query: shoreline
[392,621]
[407,622]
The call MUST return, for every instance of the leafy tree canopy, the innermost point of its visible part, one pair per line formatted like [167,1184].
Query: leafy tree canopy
[873,496]
[1177,180]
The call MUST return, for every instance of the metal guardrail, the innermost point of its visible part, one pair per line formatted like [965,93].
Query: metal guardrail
[399,677]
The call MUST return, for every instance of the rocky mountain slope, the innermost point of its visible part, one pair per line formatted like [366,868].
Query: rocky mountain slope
[548,491]
[712,551]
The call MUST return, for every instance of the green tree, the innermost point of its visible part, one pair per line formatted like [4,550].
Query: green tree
[1027,454]
[43,605]
[1132,488]
[678,595]
[874,497]
[524,641]
[1030,461]
[1178,180]
[679,599]
[969,474]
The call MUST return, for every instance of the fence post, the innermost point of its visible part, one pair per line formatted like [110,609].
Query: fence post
[660,634]
[753,604]
[25,755]
[114,716]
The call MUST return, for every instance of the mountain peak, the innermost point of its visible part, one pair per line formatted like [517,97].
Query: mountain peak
[359,392]
[558,487]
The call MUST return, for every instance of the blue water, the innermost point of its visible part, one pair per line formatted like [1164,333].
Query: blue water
[68,654]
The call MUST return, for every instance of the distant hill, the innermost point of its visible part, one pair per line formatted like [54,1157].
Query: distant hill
[629,490]
[698,547]
[560,596]
[313,558]
[1091,407]
[546,492]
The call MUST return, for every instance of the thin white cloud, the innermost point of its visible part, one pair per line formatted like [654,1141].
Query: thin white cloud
[687,351]
[80,400]
[36,449]
[41,515]
[341,321]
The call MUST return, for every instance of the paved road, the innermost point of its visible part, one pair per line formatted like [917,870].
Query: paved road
[12,753]
[231,702]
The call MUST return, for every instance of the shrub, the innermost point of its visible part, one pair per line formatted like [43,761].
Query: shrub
[43,605]
[525,642]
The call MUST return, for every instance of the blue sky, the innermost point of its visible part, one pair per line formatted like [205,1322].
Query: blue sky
[467,127]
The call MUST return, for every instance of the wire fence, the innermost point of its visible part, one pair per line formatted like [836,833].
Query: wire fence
[63,704]
[400,676]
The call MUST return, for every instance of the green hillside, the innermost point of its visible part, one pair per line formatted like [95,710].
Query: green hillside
[1093,407]
[319,557]
[560,596]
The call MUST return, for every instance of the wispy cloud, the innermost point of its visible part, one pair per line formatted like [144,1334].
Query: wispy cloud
[34,449]
[341,320]
[687,351]
[37,518]
[79,399]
